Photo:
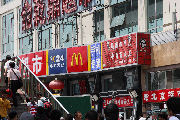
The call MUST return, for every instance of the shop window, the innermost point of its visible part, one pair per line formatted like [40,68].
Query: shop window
[45,37]
[6,1]
[7,35]
[158,80]
[68,32]
[155,16]
[124,18]
[98,26]
[79,87]
[25,38]
[176,78]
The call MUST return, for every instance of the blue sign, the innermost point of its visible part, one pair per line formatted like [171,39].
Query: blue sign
[57,61]
[96,56]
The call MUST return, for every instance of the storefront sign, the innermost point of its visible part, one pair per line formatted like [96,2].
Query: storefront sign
[38,12]
[77,59]
[160,95]
[95,56]
[57,61]
[36,62]
[119,101]
[125,50]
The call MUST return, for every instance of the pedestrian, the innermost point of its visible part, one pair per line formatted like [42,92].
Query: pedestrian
[13,115]
[173,106]
[26,116]
[142,116]
[78,115]
[91,115]
[6,68]
[41,114]
[56,115]
[32,105]
[69,117]
[4,105]
[163,116]
[111,112]
[100,116]
[41,99]
[13,83]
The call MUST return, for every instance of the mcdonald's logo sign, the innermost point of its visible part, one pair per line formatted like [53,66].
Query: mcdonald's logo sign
[77,57]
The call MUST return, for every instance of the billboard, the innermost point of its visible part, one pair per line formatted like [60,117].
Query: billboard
[57,61]
[77,59]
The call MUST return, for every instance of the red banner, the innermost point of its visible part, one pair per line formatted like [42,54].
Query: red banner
[144,49]
[77,60]
[160,95]
[124,50]
[119,101]
[119,51]
[36,62]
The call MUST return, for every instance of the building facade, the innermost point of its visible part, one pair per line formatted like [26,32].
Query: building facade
[107,20]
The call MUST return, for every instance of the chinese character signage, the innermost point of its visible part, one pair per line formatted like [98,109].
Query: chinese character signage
[119,101]
[77,59]
[144,49]
[95,51]
[160,95]
[36,62]
[57,61]
[38,12]
[124,50]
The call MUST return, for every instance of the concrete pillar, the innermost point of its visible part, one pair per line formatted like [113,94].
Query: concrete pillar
[53,35]
[16,41]
[107,19]
[142,15]
[35,40]
[80,34]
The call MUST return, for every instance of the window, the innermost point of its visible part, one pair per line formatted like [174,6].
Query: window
[25,38]
[176,78]
[124,18]
[99,26]
[68,32]
[6,1]
[158,80]
[45,37]
[155,16]
[7,35]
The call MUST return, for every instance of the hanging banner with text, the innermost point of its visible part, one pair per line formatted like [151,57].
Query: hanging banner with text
[126,101]
[125,50]
[160,95]
[77,59]
[36,13]
[57,61]
[95,56]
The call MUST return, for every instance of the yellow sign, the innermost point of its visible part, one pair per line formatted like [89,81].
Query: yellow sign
[76,58]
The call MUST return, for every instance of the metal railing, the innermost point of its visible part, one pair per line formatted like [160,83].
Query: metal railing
[32,84]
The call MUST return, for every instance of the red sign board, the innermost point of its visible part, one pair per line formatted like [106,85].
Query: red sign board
[77,60]
[38,12]
[36,62]
[126,50]
[160,95]
[119,101]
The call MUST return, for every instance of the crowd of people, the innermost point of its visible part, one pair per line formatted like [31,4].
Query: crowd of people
[41,109]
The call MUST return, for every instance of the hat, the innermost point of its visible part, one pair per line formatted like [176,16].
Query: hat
[26,116]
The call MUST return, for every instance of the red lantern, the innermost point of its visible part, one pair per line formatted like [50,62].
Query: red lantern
[56,84]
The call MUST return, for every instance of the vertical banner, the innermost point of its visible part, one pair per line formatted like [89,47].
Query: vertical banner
[95,56]
[57,61]
[77,59]
[144,49]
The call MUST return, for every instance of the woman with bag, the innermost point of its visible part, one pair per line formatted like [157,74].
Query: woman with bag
[14,81]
